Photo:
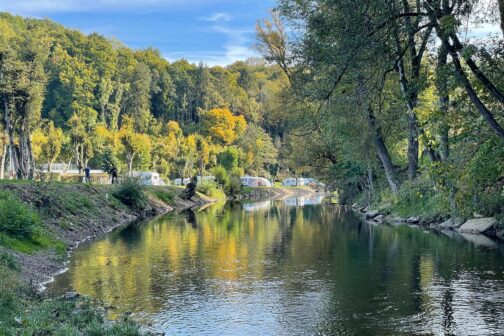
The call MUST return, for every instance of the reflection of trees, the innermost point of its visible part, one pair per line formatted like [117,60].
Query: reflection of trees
[363,273]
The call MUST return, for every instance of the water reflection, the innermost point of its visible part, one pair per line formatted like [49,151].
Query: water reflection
[291,270]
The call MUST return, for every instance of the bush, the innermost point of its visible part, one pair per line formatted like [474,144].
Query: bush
[211,189]
[235,186]
[221,176]
[16,218]
[421,198]
[9,262]
[165,195]
[131,193]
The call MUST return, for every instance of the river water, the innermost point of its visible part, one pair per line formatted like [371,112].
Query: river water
[291,268]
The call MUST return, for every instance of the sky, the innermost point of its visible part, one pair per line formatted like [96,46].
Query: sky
[216,32]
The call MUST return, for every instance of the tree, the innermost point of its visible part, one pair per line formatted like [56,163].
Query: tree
[259,150]
[223,126]
[135,145]
[51,148]
[22,84]
[81,142]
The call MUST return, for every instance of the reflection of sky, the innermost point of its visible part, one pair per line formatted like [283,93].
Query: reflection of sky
[290,202]
[303,201]
[292,271]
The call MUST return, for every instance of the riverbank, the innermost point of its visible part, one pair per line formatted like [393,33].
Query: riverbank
[42,224]
[272,193]
[72,213]
[480,230]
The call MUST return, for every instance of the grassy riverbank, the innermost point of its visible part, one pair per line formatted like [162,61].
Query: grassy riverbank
[39,224]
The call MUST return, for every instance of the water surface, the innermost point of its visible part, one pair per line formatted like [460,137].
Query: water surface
[291,268]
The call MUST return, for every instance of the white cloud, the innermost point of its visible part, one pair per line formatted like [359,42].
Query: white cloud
[219,17]
[41,7]
[236,48]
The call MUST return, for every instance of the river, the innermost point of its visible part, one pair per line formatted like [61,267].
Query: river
[290,267]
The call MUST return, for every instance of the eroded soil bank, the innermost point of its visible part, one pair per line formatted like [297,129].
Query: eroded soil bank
[73,213]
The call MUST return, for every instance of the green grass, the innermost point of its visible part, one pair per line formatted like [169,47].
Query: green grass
[33,244]
[22,313]
[164,194]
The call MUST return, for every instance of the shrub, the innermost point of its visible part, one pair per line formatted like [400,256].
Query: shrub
[131,193]
[235,186]
[9,262]
[16,218]
[421,198]
[211,189]
[221,176]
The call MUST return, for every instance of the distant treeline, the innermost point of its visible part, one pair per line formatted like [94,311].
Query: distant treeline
[65,96]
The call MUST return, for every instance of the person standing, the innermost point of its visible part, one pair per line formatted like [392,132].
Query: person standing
[113,173]
[87,173]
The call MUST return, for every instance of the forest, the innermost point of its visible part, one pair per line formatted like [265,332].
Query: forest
[71,98]
[392,102]
[396,102]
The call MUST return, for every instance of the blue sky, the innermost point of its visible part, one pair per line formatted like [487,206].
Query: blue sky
[217,32]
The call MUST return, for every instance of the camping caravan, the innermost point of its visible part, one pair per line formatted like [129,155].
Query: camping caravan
[262,182]
[292,182]
[181,182]
[149,178]
[249,181]
[254,182]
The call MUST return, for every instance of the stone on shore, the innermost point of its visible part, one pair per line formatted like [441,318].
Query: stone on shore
[372,214]
[478,225]
[413,220]
[379,219]
[452,223]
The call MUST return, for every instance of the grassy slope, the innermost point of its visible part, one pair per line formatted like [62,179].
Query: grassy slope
[68,213]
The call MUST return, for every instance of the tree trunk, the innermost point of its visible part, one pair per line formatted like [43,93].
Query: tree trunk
[444,102]
[129,160]
[371,188]
[2,163]
[411,102]
[13,158]
[481,107]
[501,10]
[487,83]
[25,150]
[383,152]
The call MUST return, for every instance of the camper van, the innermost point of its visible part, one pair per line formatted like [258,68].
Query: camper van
[149,178]
[293,182]
[263,182]
[249,181]
[254,182]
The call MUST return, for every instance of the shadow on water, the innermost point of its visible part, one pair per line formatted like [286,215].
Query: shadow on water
[291,268]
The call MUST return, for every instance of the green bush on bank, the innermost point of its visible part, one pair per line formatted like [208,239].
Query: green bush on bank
[211,189]
[420,198]
[16,218]
[131,193]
